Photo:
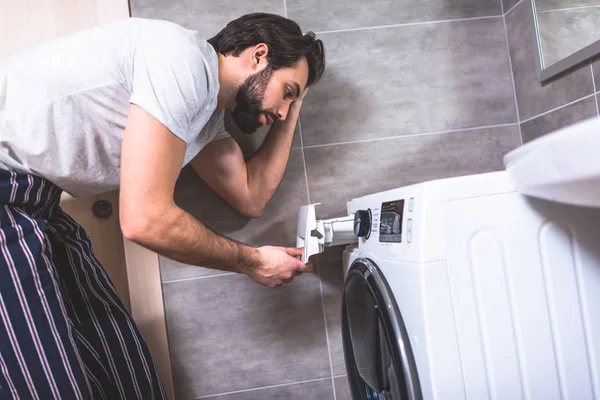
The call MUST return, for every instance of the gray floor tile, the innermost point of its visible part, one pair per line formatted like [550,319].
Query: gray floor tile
[565,32]
[331,253]
[339,173]
[332,281]
[329,15]
[342,391]
[559,119]
[172,270]
[318,390]
[229,333]
[411,79]
[596,72]
[534,98]
[544,5]
[206,16]
[508,4]
[276,227]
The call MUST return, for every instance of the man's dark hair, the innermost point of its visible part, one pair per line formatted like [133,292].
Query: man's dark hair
[287,45]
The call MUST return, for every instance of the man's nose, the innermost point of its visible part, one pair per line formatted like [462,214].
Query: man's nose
[282,112]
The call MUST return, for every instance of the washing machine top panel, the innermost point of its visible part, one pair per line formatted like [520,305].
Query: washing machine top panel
[407,223]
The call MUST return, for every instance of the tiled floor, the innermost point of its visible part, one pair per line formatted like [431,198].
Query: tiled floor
[414,92]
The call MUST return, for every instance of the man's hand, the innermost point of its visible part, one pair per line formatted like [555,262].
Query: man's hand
[278,266]
[296,105]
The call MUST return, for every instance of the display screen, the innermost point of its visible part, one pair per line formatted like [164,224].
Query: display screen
[390,224]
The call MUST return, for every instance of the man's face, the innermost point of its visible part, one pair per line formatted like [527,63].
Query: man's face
[267,95]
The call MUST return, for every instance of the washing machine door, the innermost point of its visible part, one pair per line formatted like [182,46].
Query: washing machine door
[379,360]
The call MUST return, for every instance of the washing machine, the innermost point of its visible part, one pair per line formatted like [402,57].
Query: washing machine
[470,287]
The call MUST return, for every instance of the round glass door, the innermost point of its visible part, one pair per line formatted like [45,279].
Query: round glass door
[379,360]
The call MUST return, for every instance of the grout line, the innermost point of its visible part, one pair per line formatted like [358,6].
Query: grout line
[339,376]
[512,75]
[442,21]
[594,82]
[558,108]
[411,135]
[326,330]
[304,159]
[513,7]
[285,14]
[199,277]
[568,9]
[257,388]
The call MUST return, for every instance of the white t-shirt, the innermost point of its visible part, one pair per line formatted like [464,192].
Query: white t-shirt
[64,103]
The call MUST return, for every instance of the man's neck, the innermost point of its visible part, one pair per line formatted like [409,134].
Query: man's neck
[228,82]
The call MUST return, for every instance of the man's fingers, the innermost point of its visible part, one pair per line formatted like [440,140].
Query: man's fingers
[303,95]
[293,251]
[308,267]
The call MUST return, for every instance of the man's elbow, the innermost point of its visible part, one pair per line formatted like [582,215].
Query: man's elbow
[252,210]
[135,227]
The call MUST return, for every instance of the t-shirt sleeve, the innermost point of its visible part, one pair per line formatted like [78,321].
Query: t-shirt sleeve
[171,81]
[221,133]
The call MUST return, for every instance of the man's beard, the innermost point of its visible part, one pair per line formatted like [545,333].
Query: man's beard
[246,113]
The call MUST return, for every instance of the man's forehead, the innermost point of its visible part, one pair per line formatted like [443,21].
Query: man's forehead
[296,75]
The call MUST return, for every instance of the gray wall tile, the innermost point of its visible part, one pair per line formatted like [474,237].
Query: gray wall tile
[329,15]
[318,390]
[332,281]
[559,119]
[534,98]
[206,16]
[342,391]
[543,5]
[411,79]
[340,173]
[276,227]
[228,334]
[565,32]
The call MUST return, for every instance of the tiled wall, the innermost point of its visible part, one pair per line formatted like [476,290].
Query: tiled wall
[563,101]
[414,90]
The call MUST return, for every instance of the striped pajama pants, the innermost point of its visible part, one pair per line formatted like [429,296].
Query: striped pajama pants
[64,332]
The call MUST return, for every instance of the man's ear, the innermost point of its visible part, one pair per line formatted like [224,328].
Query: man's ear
[260,56]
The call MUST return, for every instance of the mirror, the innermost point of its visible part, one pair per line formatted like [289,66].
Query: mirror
[567,33]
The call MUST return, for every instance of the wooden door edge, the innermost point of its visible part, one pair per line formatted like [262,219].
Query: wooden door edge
[147,306]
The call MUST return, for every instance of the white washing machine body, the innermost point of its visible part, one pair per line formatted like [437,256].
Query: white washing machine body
[499,294]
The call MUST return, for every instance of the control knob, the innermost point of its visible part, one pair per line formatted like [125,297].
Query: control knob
[362,223]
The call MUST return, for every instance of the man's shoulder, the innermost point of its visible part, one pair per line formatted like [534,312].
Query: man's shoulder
[159,27]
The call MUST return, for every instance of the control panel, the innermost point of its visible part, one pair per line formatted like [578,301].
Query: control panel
[387,222]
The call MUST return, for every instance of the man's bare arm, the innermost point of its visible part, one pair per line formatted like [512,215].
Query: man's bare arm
[248,185]
[150,164]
